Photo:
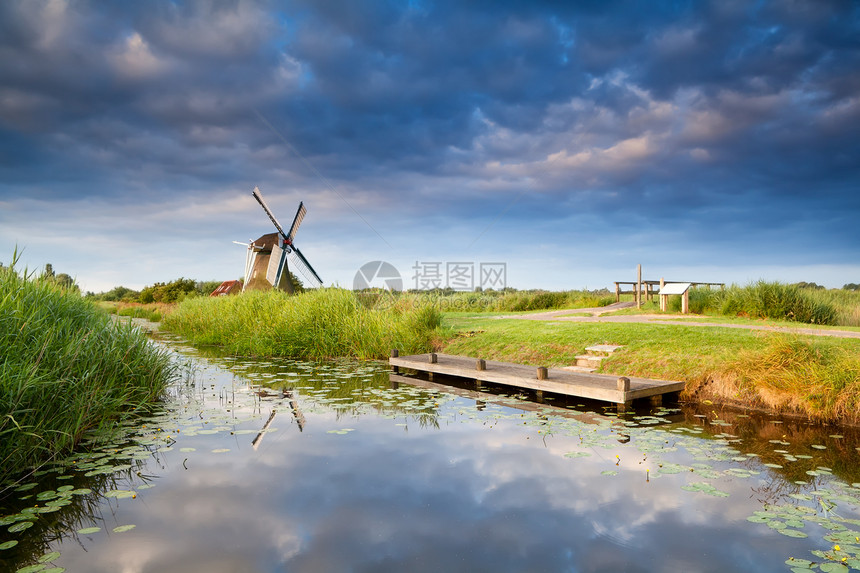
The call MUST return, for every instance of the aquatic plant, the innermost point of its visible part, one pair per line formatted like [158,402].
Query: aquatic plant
[65,368]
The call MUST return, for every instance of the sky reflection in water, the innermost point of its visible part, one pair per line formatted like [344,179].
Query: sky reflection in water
[488,490]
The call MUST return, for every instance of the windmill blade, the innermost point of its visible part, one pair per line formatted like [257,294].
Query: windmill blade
[259,197]
[294,228]
[305,267]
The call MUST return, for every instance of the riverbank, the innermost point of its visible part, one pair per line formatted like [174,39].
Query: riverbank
[769,365]
[67,369]
[814,377]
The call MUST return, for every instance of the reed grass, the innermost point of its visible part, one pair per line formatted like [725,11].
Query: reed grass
[318,324]
[65,369]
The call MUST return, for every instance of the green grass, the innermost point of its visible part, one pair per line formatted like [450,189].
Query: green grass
[815,377]
[318,324]
[65,369]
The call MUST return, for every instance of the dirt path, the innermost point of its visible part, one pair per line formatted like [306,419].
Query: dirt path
[603,315]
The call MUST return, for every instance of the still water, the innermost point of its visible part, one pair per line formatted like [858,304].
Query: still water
[263,466]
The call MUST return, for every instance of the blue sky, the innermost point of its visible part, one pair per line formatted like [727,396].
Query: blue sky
[708,141]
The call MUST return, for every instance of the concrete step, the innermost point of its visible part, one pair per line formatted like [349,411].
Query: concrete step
[589,360]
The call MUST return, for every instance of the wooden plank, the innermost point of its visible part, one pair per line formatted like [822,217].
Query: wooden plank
[581,384]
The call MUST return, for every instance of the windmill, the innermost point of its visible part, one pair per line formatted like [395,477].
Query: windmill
[266,261]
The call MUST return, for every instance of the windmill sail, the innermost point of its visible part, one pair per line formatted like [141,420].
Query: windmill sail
[305,267]
[294,228]
[259,197]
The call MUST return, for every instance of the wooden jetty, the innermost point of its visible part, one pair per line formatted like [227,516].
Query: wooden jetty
[619,390]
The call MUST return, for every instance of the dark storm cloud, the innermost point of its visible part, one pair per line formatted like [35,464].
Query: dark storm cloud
[663,113]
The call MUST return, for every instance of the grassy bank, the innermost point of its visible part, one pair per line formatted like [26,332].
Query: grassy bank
[65,369]
[318,324]
[815,377]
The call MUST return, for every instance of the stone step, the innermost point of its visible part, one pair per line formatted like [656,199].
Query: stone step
[602,349]
[589,360]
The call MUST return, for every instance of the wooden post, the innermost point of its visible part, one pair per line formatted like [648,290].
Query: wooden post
[539,396]
[663,298]
[542,373]
[481,364]
[395,354]
[656,400]
[685,302]
[638,286]
[433,358]
[617,293]
[623,386]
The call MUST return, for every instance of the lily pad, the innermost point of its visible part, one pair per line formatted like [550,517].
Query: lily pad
[89,530]
[20,526]
[8,544]
[123,528]
[31,568]
[48,557]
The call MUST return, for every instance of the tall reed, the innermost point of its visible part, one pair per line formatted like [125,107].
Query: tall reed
[322,323]
[65,368]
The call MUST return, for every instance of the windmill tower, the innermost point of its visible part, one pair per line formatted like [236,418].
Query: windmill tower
[266,260]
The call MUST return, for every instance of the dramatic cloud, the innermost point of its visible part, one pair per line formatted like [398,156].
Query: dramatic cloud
[719,135]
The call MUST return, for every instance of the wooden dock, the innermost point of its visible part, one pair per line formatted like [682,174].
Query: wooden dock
[619,390]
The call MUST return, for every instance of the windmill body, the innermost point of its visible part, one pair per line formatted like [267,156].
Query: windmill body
[266,260]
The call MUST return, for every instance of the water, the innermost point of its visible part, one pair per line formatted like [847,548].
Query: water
[289,466]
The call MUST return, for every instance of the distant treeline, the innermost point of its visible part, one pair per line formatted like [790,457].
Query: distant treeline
[174,291]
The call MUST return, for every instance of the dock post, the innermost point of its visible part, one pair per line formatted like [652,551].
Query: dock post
[481,364]
[638,286]
[395,354]
[656,400]
[433,358]
[542,373]
[539,396]
[623,386]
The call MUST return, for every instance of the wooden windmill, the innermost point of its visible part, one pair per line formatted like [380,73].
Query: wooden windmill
[266,262]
